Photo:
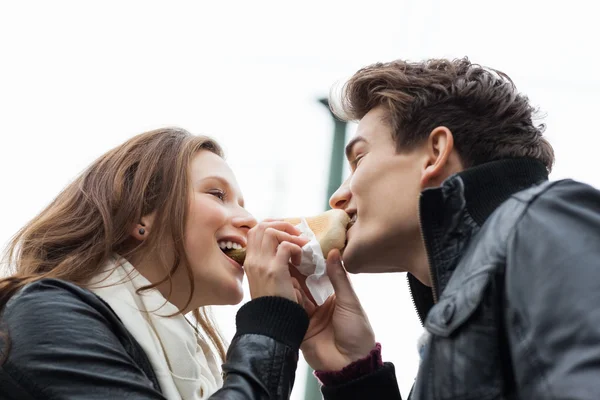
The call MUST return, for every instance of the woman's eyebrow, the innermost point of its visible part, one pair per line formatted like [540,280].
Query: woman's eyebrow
[225,182]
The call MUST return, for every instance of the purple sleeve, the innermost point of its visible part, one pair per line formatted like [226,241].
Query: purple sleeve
[372,362]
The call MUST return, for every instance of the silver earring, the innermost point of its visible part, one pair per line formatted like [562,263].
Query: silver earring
[142,231]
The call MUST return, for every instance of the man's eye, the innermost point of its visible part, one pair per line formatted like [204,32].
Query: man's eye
[218,193]
[356,161]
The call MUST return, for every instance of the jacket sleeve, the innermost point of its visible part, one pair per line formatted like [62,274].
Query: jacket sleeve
[380,384]
[64,348]
[553,295]
[362,379]
[263,355]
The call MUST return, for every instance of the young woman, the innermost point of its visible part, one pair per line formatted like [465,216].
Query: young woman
[104,277]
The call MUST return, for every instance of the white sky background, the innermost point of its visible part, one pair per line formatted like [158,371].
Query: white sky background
[78,78]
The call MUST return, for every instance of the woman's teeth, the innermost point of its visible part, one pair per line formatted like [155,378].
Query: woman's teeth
[229,245]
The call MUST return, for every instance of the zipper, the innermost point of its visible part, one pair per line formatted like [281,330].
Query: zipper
[429,262]
[413,301]
[429,266]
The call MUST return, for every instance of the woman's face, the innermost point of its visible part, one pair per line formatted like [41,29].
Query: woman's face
[216,216]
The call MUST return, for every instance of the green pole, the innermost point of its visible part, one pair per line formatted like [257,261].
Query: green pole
[336,166]
[336,169]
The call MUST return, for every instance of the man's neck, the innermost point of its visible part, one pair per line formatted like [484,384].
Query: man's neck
[419,264]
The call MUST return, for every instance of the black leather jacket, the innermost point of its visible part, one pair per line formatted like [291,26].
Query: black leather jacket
[514,312]
[66,343]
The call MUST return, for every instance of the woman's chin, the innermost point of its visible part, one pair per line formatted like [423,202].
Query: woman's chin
[232,294]
[234,297]
[237,300]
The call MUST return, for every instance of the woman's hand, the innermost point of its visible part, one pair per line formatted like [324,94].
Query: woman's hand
[272,246]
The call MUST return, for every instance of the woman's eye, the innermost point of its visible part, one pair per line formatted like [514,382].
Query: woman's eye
[218,193]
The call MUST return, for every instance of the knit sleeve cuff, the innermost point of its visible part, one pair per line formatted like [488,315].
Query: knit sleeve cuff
[358,368]
[275,317]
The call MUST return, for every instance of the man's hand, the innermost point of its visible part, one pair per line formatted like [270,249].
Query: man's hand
[339,332]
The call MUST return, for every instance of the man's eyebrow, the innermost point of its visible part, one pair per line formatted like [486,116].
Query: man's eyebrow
[351,144]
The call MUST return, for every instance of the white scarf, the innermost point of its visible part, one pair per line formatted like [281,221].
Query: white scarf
[182,361]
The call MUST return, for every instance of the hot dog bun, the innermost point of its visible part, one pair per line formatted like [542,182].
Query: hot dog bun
[329,228]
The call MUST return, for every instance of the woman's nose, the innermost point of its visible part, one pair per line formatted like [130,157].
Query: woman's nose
[244,222]
[341,198]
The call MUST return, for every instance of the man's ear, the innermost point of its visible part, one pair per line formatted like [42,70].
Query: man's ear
[439,154]
[142,229]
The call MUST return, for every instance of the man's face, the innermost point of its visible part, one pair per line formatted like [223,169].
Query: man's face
[382,192]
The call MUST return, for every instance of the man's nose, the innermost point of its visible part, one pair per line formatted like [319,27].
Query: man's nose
[342,196]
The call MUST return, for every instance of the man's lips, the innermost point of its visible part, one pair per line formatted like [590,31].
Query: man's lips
[348,232]
[352,220]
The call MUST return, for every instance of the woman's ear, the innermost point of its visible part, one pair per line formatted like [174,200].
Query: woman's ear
[439,150]
[142,229]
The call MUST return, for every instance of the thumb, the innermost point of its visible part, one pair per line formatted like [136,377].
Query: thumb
[339,278]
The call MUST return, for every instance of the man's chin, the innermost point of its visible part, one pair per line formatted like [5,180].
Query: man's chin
[362,249]
[353,262]
[351,268]
[368,260]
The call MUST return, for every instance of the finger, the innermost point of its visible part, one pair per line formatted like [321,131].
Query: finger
[255,236]
[308,305]
[296,256]
[298,286]
[285,252]
[295,273]
[259,229]
[274,237]
[298,296]
[339,278]
[284,226]
[295,283]
[302,297]
[297,291]
[320,317]
[272,220]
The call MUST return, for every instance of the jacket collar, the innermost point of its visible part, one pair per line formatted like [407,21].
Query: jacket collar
[454,212]
[489,185]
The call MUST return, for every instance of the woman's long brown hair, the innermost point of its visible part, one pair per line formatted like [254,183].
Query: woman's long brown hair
[91,219]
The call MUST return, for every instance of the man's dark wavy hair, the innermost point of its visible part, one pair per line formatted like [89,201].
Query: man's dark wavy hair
[488,117]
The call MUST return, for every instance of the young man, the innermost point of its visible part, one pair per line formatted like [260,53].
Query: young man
[450,183]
